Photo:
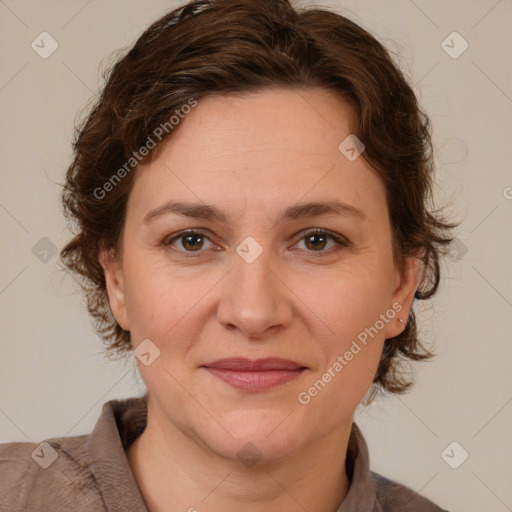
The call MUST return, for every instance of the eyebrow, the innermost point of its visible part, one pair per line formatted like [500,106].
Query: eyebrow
[207,212]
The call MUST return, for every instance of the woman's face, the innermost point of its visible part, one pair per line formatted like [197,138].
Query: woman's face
[258,282]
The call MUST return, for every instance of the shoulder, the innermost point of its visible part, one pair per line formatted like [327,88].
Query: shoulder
[395,497]
[39,475]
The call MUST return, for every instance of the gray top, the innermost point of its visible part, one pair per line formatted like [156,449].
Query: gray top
[91,472]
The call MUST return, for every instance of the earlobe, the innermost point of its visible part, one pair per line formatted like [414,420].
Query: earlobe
[407,284]
[115,286]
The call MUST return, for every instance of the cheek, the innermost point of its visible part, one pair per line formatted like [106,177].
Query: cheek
[354,307]
[153,299]
[165,303]
[351,302]
[351,348]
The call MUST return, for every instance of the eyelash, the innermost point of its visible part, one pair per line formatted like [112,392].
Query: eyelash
[340,241]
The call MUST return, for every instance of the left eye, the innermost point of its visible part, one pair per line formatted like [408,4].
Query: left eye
[318,239]
[315,241]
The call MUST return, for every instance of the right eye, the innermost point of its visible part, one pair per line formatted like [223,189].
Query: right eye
[190,241]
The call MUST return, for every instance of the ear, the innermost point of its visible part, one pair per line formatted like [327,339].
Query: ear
[115,286]
[406,284]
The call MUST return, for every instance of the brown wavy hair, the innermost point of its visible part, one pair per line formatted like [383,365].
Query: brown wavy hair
[236,46]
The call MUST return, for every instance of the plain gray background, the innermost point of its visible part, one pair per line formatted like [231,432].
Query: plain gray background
[53,376]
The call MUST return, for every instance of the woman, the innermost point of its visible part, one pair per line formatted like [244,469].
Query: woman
[252,194]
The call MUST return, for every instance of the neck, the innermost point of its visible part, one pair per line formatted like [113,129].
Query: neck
[174,470]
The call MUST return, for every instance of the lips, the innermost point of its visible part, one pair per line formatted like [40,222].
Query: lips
[248,365]
[255,375]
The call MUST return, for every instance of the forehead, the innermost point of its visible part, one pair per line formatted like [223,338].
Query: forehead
[272,146]
[304,121]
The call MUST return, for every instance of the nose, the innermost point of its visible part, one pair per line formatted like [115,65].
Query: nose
[254,298]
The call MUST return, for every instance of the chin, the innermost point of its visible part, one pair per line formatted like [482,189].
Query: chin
[252,450]
[261,438]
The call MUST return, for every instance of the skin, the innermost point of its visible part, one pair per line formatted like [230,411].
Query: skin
[252,156]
